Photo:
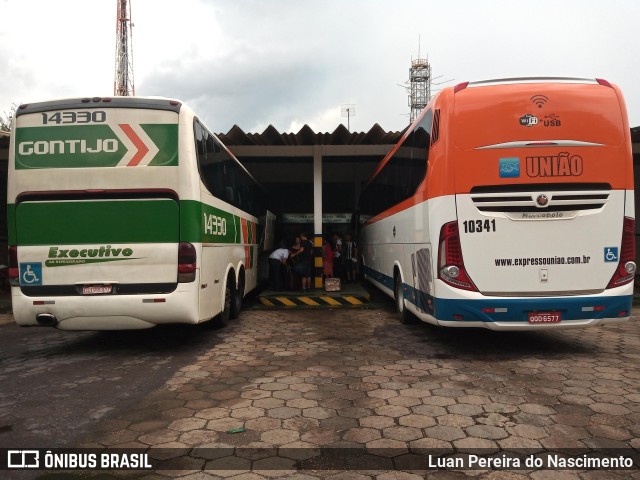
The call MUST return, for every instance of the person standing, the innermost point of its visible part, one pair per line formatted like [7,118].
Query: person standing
[293,279]
[303,267]
[338,257]
[328,253]
[350,257]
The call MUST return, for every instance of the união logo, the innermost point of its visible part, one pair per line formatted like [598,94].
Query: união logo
[561,165]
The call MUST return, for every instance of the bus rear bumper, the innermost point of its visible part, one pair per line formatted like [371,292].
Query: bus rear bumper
[513,313]
[108,312]
[522,326]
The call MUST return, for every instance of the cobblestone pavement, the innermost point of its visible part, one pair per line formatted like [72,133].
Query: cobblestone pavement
[355,379]
[55,385]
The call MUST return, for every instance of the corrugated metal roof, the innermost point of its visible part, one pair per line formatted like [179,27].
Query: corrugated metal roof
[340,136]
[306,136]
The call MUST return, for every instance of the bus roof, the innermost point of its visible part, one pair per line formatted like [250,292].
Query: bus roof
[514,80]
[151,103]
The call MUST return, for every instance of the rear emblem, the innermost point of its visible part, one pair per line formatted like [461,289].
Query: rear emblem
[510,167]
[542,200]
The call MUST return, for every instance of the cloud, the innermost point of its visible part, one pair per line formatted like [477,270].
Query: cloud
[264,63]
[236,90]
[282,62]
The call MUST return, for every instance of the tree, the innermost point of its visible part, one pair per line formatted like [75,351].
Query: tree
[6,118]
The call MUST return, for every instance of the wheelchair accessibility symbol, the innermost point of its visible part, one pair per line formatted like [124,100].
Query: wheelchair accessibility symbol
[31,273]
[610,254]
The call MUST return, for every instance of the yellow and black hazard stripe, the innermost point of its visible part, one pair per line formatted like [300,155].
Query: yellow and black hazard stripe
[314,300]
[317,261]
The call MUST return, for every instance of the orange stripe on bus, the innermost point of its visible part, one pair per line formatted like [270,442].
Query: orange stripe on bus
[137,142]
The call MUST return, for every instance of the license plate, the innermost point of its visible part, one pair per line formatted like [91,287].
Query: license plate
[96,289]
[544,317]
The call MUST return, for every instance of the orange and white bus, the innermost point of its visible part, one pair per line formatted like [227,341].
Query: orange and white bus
[508,204]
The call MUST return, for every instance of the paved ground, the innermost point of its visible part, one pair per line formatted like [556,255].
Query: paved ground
[351,379]
[55,385]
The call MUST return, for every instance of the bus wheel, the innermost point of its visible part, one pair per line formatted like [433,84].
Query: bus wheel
[236,300]
[229,290]
[405,315]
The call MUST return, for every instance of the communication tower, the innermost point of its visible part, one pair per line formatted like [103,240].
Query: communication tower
[419,86]
[123,82]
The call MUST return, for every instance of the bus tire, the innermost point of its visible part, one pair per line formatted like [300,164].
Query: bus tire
[405,315]
[236,300]
[223,317]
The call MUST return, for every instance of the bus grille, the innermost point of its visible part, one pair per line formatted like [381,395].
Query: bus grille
[528,198]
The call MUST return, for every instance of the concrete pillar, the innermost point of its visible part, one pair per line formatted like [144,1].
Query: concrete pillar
[317,215]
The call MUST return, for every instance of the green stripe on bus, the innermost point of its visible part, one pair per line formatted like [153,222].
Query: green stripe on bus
[122,221]
[68,147]
[11,224]
[200,222]
[84,261]
[91,146]
[165,136]
[92,222]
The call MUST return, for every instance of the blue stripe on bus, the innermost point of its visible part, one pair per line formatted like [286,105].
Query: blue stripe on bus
[379,277]
[571,308]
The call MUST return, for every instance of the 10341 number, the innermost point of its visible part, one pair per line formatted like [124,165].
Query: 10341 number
[479,226]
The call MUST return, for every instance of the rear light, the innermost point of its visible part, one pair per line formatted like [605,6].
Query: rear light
[186,262]
[460,86]
[604,82]
[13,266]
[626,270]
[450,263]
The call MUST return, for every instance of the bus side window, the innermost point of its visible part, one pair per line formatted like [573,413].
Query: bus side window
[200,141]
[224,177]
[402,174]
[422,137]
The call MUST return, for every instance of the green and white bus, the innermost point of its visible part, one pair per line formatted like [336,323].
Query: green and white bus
[126,213]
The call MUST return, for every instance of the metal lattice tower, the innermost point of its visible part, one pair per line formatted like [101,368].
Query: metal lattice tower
[123,82]
[419,86]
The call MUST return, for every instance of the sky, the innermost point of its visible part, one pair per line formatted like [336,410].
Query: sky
[287,63]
